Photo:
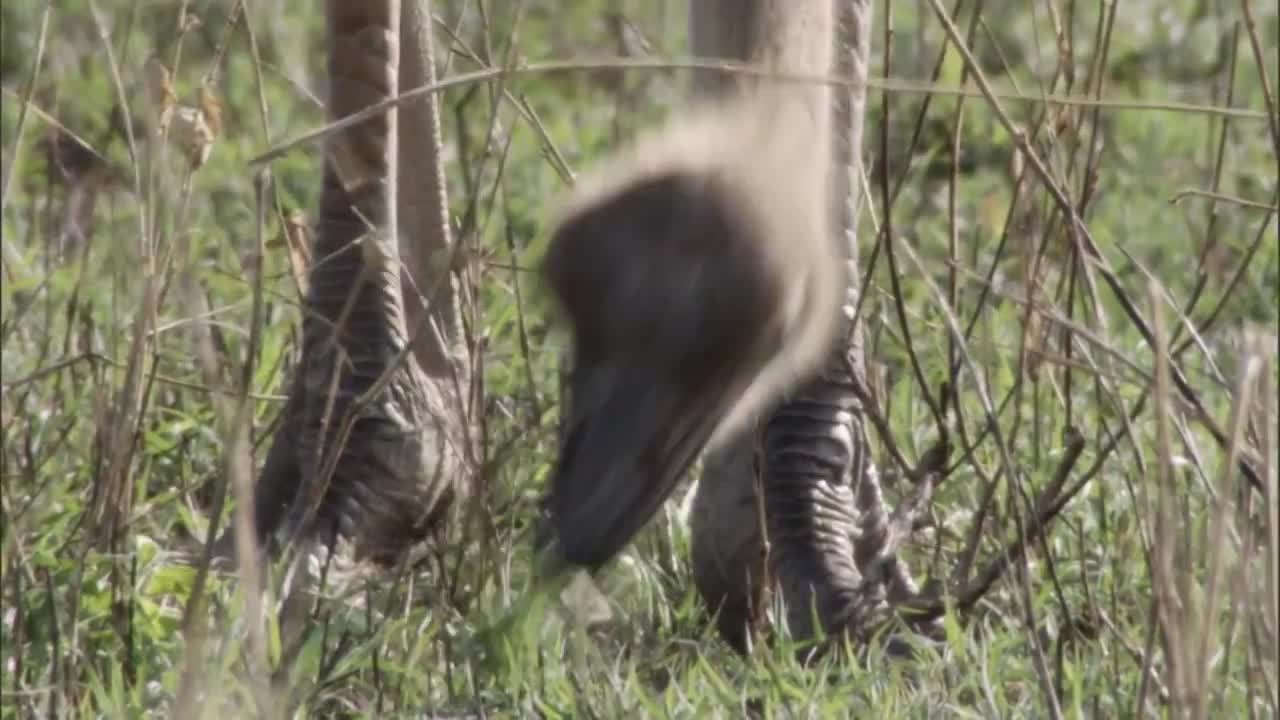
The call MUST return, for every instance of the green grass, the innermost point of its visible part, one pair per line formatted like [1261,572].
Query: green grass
[93,618]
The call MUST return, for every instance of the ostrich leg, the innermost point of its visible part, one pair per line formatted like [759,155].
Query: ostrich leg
[368,448]
[659,364]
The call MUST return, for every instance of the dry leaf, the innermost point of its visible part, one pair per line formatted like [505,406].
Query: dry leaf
[189,21]
[191,134]
[211,107]
[160,92]
[297,237]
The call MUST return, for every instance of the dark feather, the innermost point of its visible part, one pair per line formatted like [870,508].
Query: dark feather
[689,271]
